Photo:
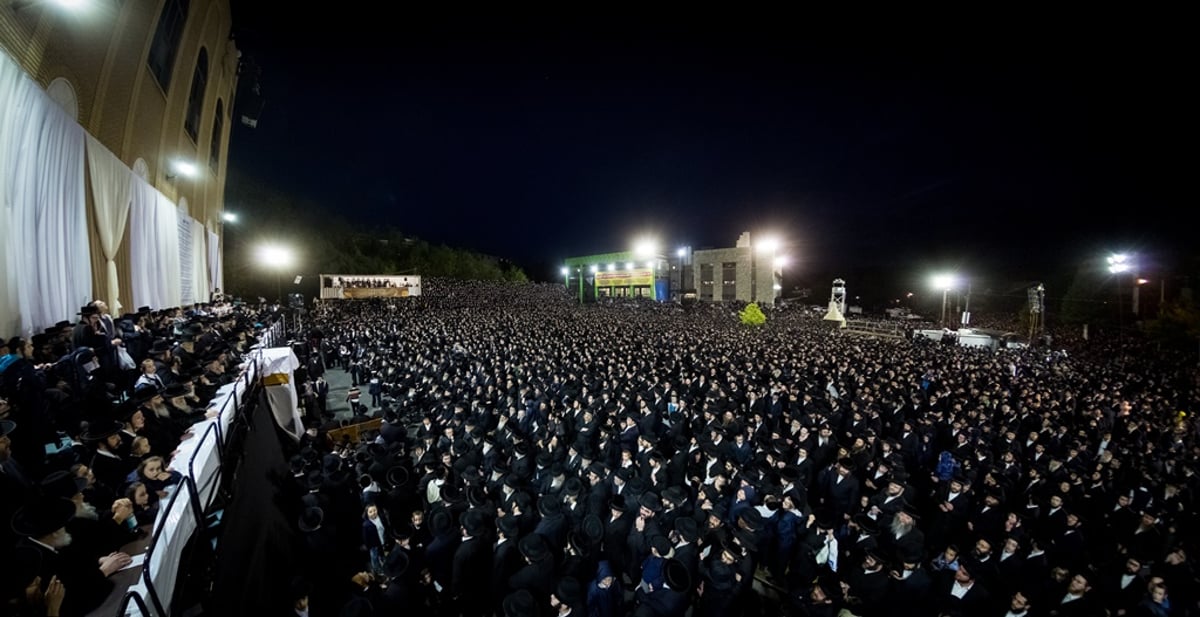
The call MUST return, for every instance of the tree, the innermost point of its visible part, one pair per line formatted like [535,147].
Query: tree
[752,315]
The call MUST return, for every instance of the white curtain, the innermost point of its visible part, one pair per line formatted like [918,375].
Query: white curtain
[111,187]
[153,247]
[199,263]
[42,194]
[214,260]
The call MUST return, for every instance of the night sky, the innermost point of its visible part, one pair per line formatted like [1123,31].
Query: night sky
[1014,152]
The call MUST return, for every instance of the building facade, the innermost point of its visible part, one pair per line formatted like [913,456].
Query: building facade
[743,273]
[153,81]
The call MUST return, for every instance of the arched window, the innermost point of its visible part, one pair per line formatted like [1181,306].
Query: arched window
[166,41]
[214,150]
[196,96]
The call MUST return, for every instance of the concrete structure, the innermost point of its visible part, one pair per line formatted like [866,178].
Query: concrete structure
[746,273]
[152,80]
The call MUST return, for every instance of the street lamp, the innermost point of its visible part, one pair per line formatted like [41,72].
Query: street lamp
[277,258]
[944,282]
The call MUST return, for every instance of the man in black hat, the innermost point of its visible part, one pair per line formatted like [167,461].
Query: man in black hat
[472,566]
[108,466]
[840,489]
[506,557]
[42,525]
[537,575]
[670,599]
[645,529]
[617,524]
[567,598]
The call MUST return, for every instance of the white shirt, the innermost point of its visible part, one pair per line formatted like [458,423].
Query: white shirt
[379,528]
[958,590]
[1126,579]
[1070,597]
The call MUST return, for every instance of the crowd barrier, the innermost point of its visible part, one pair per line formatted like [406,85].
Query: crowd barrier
[200,459]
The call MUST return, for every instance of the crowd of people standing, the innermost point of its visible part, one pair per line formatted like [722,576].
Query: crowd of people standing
[538,457]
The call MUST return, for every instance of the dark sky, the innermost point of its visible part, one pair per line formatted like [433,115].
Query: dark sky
[1014,151]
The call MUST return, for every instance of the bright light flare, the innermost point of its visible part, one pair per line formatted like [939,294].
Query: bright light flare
[186,169]
[229,217]
[275,256]
[1119,263]
[645,247]
[944,281]
[770,244]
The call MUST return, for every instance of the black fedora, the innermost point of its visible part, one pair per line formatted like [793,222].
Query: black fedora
[593,528]
[549,505]
[397,476]
[519,603]
[311,519]
[687,528]
[532,546]
[43,516]
[678,577]
[474,522]
[397,564]
[63,484]
[101,429]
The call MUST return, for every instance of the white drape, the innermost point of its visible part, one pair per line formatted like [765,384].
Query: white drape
[199,263]
[46,265]
[153,247]
[112,185]
[187,292]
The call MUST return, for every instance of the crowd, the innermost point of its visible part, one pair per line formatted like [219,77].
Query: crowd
[358,283]
[91,411]
[543,458]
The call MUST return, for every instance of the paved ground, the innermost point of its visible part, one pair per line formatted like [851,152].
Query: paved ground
[339,385]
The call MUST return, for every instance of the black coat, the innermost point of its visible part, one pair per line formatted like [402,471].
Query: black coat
[471,571]
[506,560]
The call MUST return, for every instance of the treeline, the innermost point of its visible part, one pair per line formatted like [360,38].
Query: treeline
[324,243]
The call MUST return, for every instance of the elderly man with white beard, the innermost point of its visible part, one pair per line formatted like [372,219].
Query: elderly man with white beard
[42,525]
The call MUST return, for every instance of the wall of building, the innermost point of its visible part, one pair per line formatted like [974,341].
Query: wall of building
[101,51]
[754,275]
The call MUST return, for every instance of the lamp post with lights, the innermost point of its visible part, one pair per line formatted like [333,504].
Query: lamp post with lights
[944,282]
[276,257]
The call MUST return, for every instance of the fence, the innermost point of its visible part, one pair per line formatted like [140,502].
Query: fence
[200,459]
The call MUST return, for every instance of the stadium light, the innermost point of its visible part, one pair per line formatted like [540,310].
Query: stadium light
[566,271]
[944,282]
[645,247]
[682,252]
[276,257]
[770,244]
[612,267]
[1118,263]
[594,268]
[629,266]
[229,217]
[781,261]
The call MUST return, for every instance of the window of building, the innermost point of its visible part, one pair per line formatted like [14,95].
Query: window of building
[196,96]
[165,46]
[214,150]
[706,282]
[729,281]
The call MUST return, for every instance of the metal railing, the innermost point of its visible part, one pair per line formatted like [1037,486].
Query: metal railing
[178,521]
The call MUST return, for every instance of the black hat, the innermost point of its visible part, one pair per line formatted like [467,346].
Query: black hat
[789,475]
[62,324]
[175,390]
[532,546]
[746,539]
[569,591]
[847,463]
[313,480]
[573,486]
[101,429]
[396,564]
[451,494]
[753,519]
[676,495]
[143,394]
[6,427]
[507,525]
[911,511]
[143,309]
[474,522]
[661,544]
[866,523]
[160,346]
[440,522]
[63,484]
[397,475]
[678,577]
[43,516]
[687,528]
[402,531]
[519,603]
[651,502]
[598,469]
[593,528]
[617,503]
[311,519]
[549,505]
[477,496]
[88,311]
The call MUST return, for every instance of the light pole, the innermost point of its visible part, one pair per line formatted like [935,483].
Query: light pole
[944,282]
[1119,263]
[276,257]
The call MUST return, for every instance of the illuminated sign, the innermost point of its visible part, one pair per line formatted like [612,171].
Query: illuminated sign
[638,277]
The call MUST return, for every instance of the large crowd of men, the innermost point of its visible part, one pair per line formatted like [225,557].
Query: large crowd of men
[538,457]
[91,412]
